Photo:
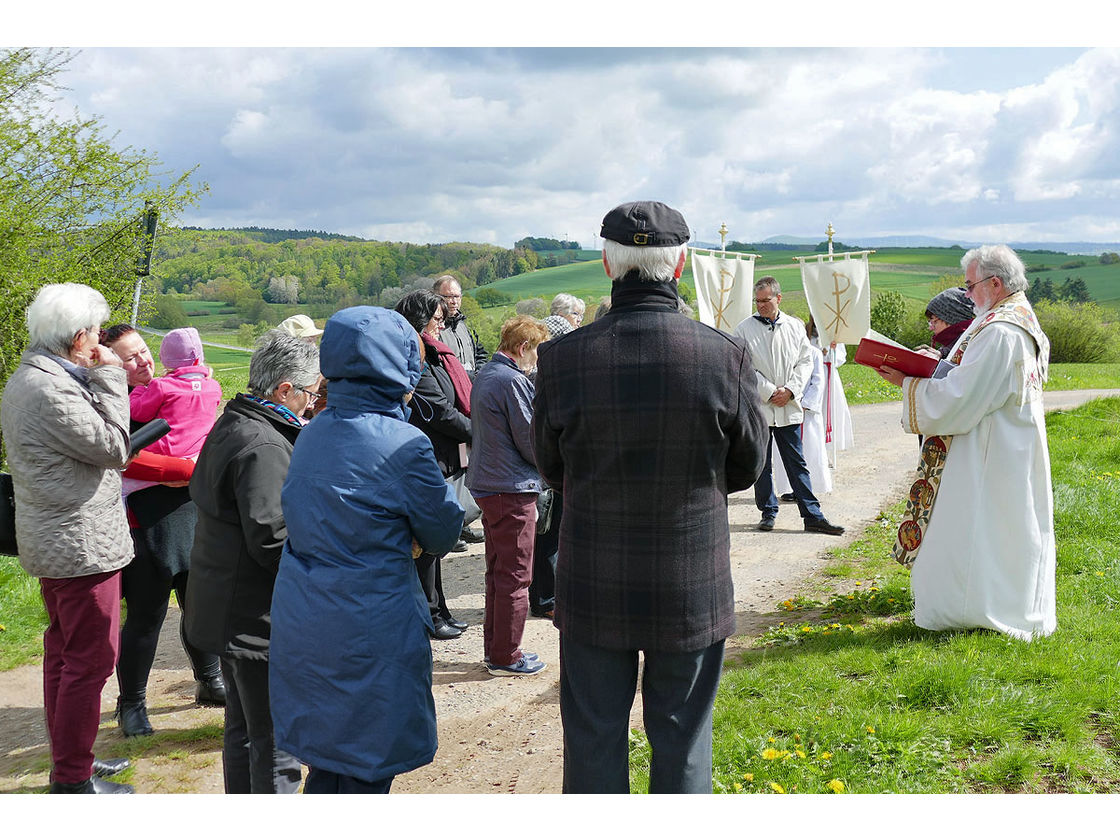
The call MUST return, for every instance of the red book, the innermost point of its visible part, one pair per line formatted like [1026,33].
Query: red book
[876,354]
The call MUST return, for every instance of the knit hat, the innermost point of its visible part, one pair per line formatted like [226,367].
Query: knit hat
[951,306]
[557,325]
[300,326]
[645,223]
[181,347]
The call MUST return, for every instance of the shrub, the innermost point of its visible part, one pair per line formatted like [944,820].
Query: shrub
[888,312]
[1078,332]
[534,307]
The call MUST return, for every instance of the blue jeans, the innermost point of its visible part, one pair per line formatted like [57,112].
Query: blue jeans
[788,439]
[597,688]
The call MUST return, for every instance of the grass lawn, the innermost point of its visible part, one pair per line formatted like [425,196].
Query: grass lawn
[847,695]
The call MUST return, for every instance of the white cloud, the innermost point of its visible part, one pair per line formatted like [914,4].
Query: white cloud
[436,145]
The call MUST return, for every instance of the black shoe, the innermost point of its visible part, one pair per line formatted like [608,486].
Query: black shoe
[823,526]
[549,613]
[471,536]
[443,630]
[133,718]
[788,497]
[91,785]
[105,767]
[459,547]
[210,691]
[767,524]
[451,621]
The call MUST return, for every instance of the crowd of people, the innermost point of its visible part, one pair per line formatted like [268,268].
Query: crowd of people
[303,532]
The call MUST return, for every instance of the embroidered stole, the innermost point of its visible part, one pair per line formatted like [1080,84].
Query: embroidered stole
[935,448]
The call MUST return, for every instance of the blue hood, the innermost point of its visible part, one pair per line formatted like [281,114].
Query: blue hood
[371,357]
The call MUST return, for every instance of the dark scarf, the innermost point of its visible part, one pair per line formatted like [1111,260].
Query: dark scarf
[459,379]
[770,322]
[948,336]
[629,291]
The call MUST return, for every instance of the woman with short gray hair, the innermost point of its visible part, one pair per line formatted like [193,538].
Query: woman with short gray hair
[65,425]
[236,553]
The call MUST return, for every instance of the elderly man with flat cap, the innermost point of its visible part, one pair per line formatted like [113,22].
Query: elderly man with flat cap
[644,420]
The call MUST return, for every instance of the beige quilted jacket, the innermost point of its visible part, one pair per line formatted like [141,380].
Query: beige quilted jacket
[66,445]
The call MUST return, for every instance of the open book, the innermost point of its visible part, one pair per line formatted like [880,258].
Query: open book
[880,351]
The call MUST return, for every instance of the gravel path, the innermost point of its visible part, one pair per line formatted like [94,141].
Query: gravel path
[496,734]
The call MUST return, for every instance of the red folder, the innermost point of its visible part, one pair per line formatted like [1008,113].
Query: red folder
[876,354]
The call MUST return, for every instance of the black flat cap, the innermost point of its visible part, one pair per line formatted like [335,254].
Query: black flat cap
[643,223]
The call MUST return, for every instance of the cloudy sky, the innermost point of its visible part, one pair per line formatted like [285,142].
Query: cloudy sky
[434,145]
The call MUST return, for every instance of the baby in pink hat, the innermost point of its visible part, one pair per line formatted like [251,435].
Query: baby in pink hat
[186,396]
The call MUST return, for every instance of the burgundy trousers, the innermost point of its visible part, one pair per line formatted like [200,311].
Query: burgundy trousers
[79,654]
[509,521]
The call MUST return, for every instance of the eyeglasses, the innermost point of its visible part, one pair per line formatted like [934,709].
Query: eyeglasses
[312,395]
[763,300]
[452,297]
[971,286]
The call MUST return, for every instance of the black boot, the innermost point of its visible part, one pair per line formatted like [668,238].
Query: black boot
[133,718]
[210,691]
[91,785]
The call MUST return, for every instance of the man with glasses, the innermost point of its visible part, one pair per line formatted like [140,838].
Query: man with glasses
[783,360]
[987,558]
[456,334]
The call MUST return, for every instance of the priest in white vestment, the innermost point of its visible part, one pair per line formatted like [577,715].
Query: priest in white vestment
[979,523]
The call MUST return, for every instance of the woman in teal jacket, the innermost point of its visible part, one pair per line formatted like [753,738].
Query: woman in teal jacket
[351,666]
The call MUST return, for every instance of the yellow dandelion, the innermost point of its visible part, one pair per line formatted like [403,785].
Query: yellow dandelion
[800,754]
[797,738]
[777,788]
[769,754]
[806,629]
[836,786]
[871,730]
[738,787]
[748,777]
[826,755]
[769,740]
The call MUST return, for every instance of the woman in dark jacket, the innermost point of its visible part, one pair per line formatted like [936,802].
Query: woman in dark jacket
[441,410]
[241,531]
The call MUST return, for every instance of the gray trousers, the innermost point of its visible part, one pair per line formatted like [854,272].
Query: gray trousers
[597,687]
[251,763]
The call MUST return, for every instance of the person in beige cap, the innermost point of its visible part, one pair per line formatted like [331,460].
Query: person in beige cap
[300,326]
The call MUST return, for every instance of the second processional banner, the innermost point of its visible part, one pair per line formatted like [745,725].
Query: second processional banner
[724,287]
[839,296]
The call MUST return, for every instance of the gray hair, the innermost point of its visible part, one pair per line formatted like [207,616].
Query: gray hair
[655,264]
[768,282]
[280,357]
[441,280]
[998,261]
[60,311]
[566,304]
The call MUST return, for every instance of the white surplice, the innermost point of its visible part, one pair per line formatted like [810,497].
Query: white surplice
[988,557]
[841,414]
[812,438]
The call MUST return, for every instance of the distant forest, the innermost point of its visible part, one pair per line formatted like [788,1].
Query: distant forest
[249,267]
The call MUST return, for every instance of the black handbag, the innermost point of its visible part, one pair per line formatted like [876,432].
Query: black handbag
[7,516]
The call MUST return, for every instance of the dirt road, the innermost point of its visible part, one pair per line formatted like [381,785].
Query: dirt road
[496,734]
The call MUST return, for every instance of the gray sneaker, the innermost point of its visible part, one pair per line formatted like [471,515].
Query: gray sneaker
[523,667]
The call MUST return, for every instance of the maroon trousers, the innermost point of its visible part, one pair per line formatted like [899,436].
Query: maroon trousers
[509,521]
[79,654]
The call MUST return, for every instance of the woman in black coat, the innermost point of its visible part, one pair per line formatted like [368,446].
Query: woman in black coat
[441,410]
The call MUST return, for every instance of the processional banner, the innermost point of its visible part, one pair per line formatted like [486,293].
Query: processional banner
[839,296]
[724,287]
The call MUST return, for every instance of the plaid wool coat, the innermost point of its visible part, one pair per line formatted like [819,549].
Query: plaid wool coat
[646,419]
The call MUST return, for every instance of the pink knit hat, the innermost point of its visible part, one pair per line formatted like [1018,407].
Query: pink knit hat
[181,348]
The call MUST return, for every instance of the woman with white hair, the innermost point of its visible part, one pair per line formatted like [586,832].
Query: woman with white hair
[565,314]
[65,424]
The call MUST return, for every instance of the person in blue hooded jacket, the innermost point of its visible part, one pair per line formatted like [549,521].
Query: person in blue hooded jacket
[351,668]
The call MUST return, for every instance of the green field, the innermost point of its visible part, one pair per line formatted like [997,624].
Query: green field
[910,271]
